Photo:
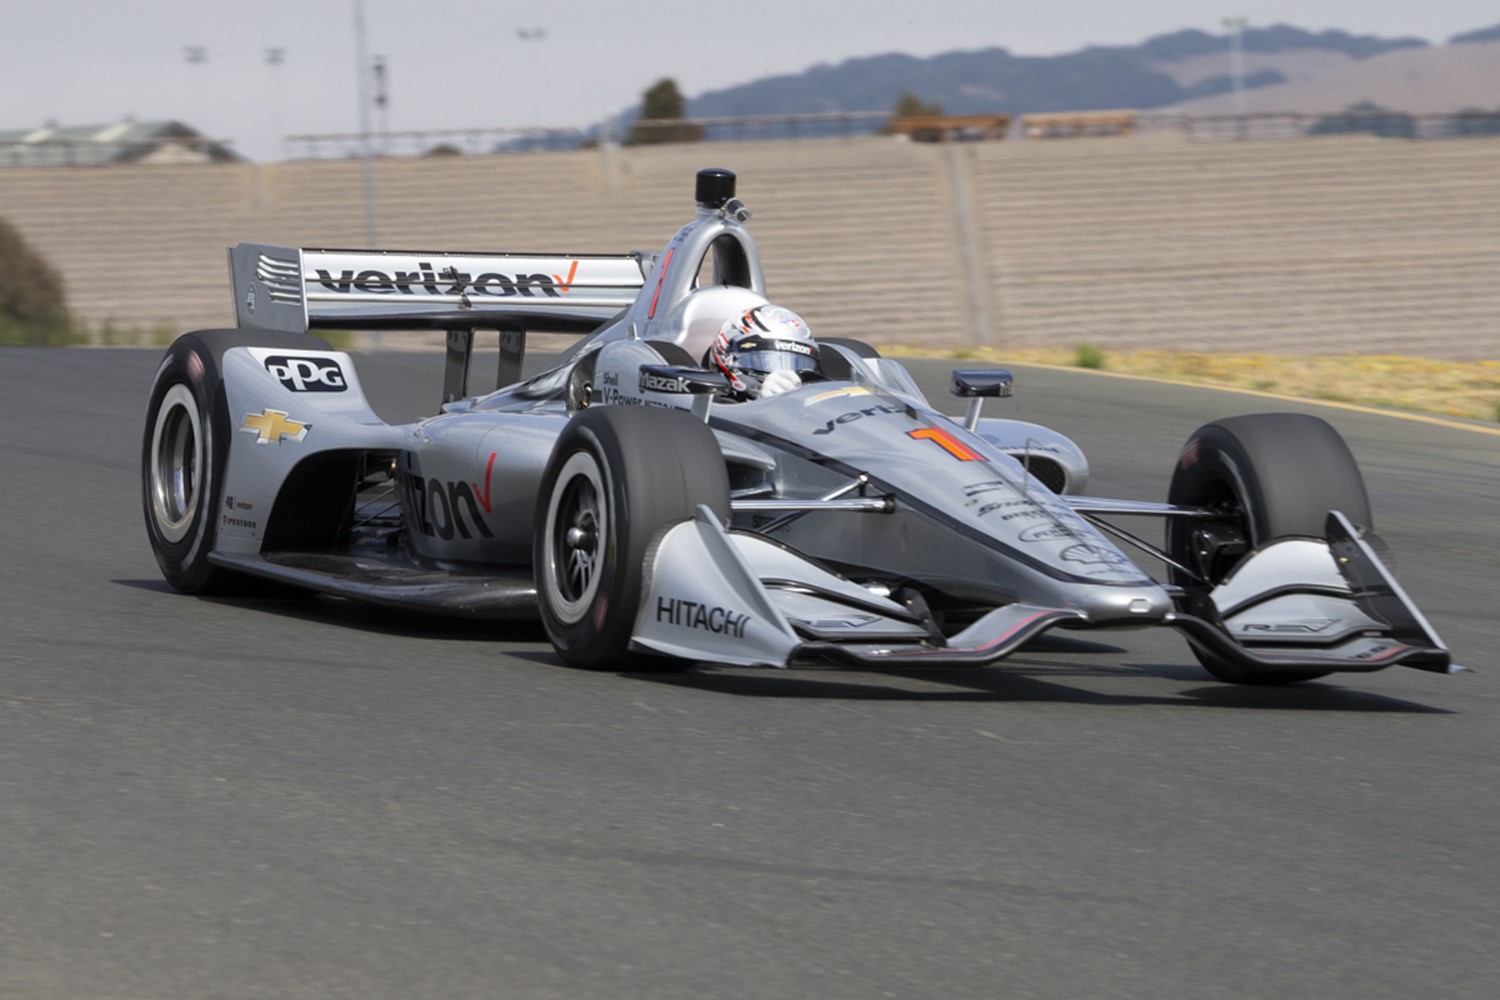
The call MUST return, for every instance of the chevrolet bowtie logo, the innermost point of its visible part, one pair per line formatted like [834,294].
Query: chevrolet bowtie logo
[271,426]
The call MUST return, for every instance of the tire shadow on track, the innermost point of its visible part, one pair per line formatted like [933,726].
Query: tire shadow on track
[1038,674]
[1021,680]
[338,612]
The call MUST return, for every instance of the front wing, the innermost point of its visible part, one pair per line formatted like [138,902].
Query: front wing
[736,598]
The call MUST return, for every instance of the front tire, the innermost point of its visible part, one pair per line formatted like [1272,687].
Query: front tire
[618,477]
[1268,476]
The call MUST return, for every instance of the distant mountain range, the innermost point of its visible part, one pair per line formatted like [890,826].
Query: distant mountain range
[1287,68]
[993,80]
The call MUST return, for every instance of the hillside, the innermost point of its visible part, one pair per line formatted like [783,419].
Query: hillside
[1416,81]
[1490,34]
[1165,70]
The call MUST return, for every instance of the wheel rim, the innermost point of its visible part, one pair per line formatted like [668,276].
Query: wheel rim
[176,463]
[577,532]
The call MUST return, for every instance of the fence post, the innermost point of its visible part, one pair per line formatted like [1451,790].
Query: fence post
[968,245]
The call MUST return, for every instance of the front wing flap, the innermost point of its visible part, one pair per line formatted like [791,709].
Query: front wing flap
[1302,604]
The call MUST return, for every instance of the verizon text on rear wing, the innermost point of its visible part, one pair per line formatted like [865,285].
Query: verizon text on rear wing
[287,288]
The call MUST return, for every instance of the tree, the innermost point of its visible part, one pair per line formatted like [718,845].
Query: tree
[33,305]
[909,105]
[662,101]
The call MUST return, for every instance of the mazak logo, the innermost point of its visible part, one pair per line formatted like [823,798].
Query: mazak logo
[448,281]
[662,383]
[307,374]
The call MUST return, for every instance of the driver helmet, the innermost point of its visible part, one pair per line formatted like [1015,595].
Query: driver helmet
[762,340]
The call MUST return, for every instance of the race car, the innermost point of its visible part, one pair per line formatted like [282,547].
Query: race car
[653,518]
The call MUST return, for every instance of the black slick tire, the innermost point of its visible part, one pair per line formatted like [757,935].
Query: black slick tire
[1271,476]
[184,453]
[617,478]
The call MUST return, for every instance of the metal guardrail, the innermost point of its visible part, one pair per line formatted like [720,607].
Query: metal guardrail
[1196,128]
[1300,125]
[429,142]
[741,127]
[434,142]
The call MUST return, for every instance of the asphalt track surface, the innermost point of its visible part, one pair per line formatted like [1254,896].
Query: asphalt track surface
[253,798]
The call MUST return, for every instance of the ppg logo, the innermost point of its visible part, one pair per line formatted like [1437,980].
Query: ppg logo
[307,374]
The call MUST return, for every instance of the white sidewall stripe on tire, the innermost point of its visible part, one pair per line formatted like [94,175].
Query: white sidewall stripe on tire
[580,465]
[174,530]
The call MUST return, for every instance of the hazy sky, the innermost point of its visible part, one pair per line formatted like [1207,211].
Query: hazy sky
[460,63]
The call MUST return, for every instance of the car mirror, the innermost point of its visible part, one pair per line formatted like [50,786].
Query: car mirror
[989,382]
[975,385]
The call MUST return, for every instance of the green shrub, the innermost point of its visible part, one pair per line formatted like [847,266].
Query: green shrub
[663,102]
[1088,356]
[33,305]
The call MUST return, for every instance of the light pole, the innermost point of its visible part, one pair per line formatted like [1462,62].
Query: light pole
[527,36]
[274,58]
[1237,66]
[362,68]
[197,58]
[382,102]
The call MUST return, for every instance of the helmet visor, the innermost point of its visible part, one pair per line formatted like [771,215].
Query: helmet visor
[766,354]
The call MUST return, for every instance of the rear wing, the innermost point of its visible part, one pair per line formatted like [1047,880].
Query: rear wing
[287,288]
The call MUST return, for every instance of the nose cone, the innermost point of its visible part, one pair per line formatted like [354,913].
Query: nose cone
[1144,605]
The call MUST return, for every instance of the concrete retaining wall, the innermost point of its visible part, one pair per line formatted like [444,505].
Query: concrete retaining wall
[1305,246]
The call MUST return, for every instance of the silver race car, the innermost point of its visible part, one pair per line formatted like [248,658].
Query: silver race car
[653,517]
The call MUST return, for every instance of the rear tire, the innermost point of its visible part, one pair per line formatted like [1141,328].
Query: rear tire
[182,461]
[618,477]
[1271,476]
[185,451]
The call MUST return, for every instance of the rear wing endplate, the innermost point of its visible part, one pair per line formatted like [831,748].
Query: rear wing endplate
[288,288]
